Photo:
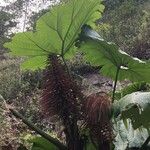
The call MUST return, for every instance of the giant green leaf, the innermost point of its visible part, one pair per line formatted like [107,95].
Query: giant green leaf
[99,52]
[35,62]
[56,31]
[135,106]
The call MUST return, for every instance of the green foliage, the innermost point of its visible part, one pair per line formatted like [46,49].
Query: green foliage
[5,25]
[40,143]
[56,31]
[99,52]
[15,83]
[136,106]
[90,146]
[9,77]
[127,24]
[137,86]
[125,19]
[141,45]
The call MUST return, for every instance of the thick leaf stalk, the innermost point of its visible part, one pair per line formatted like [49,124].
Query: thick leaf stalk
[61,97]
[97,117]
[115,84]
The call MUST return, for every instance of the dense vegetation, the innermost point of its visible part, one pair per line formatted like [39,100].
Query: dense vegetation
[127,24]
[49,88]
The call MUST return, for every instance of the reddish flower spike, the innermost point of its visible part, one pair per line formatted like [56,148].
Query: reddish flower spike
[97,115]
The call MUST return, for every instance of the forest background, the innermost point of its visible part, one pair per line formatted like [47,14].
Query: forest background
[124,22]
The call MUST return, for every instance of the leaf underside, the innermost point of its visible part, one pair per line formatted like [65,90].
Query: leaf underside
[56,31]
[99,52]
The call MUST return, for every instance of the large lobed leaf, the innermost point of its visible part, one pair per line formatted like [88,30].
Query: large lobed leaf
[135,106]
[99,52]
[56,31]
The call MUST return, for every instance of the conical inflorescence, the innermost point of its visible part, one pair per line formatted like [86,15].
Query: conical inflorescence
[61,95]
[97,117]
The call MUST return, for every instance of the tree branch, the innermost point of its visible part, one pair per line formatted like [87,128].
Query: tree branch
[54,141]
